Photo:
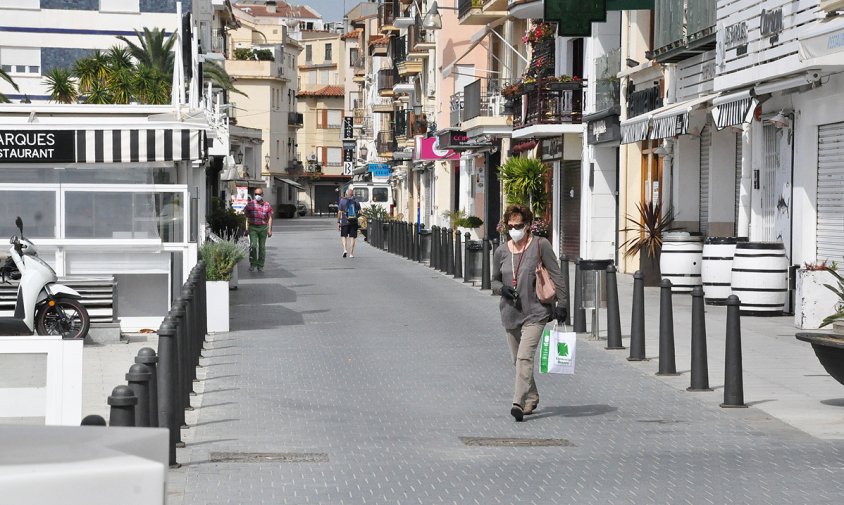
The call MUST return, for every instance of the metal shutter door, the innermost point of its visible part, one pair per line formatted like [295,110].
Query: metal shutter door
[739,147]
[830,231]
[705,144]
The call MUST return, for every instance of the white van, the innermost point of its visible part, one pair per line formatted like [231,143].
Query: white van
[372,193]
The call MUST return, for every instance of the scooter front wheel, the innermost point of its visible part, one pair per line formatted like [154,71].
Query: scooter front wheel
[67,318]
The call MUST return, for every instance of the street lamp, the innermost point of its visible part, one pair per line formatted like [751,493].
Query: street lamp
[433,20]
[363,152]
[267,161]
[239,157]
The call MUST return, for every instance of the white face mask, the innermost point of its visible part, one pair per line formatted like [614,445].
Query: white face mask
[517,235]
[258,198]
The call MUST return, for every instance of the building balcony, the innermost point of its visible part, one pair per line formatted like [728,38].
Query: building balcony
[484,111]
[419,40]
[471,12]
[456,109]
[383,105]
[547,111]
[296,119]
[386,80]
[495,5]
[410,67]
[682,29]
[385,144]
[526,9]
[387,13]
[252,69]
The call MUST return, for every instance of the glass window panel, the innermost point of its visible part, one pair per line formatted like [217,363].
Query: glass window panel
[124,215]
[6,68]
[90,174]
[379,195]
[20,68]
[34,69]
[335,118]
[362,194]
[36,208]
[335,156]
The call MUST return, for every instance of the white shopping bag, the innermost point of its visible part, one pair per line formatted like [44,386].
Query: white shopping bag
[557,352]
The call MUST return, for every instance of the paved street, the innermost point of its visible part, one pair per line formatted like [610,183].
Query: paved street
[367,373]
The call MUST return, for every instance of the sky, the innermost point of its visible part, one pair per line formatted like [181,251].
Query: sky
[331,10]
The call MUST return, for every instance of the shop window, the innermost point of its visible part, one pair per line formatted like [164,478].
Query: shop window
[380,195]
[36,208]
[124,215]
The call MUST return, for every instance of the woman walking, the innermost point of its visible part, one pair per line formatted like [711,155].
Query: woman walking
[522,314]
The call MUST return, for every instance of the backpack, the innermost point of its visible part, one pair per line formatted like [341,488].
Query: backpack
[351,209]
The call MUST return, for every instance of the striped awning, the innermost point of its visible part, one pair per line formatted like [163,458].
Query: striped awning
[136,145]
[635,129]
[672,120]
[733,109]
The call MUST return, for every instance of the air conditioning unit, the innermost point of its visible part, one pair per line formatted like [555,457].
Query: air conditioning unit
[832,5]
[311,157]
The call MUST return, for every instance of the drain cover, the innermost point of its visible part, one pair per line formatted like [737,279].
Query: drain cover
[515,442]
[269,457]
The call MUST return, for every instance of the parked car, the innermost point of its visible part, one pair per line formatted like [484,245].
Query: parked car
[301,209]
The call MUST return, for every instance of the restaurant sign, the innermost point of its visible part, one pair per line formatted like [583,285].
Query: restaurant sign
[37,146]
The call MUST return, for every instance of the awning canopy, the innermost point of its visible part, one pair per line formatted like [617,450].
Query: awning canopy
[673,119]
[635,129]
[733,109]
[290,182]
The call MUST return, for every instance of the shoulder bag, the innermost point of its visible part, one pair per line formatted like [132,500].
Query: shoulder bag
[546,291]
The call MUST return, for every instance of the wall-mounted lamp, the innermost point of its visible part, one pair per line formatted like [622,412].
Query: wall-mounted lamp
[780,120]
[363,152]
[632,63]
[238,157]
[267,160]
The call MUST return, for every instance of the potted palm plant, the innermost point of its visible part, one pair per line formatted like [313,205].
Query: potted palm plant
[524,183]
[221,258]
[648,228]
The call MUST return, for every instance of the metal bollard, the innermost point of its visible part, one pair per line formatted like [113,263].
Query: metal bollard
[183,394]
[466,267]
[443,250]
[458,263]
[564,270]
[93,420]
[700,365]
[449,251]
[190,334]
[613,314]
[168,384]
[579,311]
[146,356]
[435,231]
[122,402]
[486,282]
[667,363]
[408,240]
[203,300]
[637,320]
[733,380]
[138,379]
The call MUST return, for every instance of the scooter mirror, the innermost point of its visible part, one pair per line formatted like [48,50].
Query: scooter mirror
[19,224]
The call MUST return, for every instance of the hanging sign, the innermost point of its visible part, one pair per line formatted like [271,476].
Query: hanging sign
[348,128]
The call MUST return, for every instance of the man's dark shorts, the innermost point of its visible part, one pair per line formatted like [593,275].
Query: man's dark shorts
[350,229]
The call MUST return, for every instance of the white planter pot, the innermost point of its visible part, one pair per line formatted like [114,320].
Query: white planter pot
[217,305]
[813,301]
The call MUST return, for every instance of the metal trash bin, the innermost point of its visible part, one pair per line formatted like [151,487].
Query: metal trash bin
[593,294]
[474,260]
[425,246]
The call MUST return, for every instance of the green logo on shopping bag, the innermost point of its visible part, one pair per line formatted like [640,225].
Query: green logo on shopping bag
[562,349]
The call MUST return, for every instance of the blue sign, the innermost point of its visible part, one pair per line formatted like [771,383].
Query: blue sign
[379,169]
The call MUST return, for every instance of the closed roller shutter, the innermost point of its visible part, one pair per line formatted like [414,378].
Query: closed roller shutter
[739,147]
[705,144]
[830,229]
[570,208]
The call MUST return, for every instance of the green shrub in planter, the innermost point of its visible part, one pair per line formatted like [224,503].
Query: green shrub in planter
[224,221]
[471,222]
[286,210]
[221,257]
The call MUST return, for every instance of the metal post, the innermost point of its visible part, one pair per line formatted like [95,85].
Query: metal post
[579,311]
[458,263]
[733,380]
[122,402]
[466,266]
[613,314]
[435,230]
[168,384]
[146,356]
[564,269]
[486,282]
[93,420]
[203,300]
[667,363]
[138,379]
[190,340]
[449,252]
[637,320]
[700,365]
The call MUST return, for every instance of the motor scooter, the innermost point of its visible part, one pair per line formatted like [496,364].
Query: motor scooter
[41,305]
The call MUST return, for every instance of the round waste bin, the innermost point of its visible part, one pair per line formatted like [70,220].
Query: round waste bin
[717,268]
[474,260]
[425,245]
[680,260]
[593,291]
[759,278]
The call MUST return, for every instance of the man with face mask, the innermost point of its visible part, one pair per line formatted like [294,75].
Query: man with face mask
[259,225]
[522,314]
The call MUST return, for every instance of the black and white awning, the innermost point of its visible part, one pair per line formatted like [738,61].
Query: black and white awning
[135,145]
[733,109]
[673,120]
[635,129]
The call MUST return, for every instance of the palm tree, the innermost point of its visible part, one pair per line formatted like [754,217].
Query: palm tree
[153,50]
[6,77]
[218,76]
[61,86]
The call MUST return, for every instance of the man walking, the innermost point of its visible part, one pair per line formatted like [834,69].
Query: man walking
[259,225]
[347,219]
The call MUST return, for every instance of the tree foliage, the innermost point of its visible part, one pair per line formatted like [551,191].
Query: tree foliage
[6,77]
[524,183]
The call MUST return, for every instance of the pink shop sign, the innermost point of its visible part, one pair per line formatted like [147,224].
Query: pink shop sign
[427,149]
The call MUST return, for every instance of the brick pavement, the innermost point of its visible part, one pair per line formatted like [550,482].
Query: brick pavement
[386,381]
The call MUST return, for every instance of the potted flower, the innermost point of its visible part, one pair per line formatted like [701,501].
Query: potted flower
[539,228]
[470,224]
[812,302]
[648,228]
[565,82]
[221,258]
[529,84]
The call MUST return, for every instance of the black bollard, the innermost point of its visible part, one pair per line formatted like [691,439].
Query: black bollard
[667,363]
[138,379]
[122,402]
[168,384]
[146,356]
[579,311]
[203,300]
[93,420]
[637,320]
[458,262]
[564,270]
[466,267]
[700,366]
[435,246]
[613,314]
[733,381]
[445,251]
[486,282]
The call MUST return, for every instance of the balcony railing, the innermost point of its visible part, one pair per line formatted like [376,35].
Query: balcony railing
[679,23]
[465,6]
[544,105]
[386,79]
[399,50]
[607,87]
[416,35]
[456,108]
[218,41]
[295,119]
[385,142]
[404,124]
[387,13]
[482,98]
